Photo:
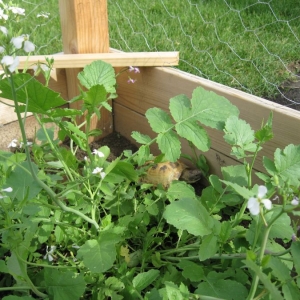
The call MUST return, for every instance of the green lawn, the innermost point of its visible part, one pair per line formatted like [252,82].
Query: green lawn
[246,45]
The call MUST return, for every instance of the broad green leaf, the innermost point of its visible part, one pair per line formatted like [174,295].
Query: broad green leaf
[180,108]
[125,170]
[211,109]
[169,144]
[265,133]
[3,267]
[180,189]
[282,228]
[159,120]
[279,269]
[287,163]
[98,73]
[236,174]
[290,291]
[30,91]
[274,292]
[243,191]
[208,247]
[173,292]
[22,182]
[99,255]
[189,214]
[239,134]
[269,165]
[295,250]
[65,285]
[95,96]
[143,154]
[141,138]
[194,133]
[222,289]
[190,270]
[142,280]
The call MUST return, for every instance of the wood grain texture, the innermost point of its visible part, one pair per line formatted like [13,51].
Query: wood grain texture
[119,59]
[84,25]
[155,86]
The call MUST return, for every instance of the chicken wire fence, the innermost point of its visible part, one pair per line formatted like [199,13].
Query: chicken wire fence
[250,45]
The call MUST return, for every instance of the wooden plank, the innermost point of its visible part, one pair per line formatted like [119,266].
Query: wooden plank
[119,59]
[155,86]
[85,30]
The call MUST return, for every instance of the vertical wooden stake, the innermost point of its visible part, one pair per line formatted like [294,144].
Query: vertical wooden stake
[84,26]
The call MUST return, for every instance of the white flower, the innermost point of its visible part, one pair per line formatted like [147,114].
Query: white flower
[28,46]
[17,10]
[11,62]
[7,190]
[4,30]
[295,201]
[98,170]
[3,15]
[13,144]
[254,203]
[49,253]
[99,153]
[18,41]
[2,49]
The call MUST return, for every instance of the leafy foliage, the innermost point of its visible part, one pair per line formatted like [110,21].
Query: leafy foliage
[88,228]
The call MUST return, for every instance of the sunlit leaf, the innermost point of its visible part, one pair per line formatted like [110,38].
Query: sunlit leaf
[98,73]
[159,120]
[189,214]
[169,144]
[31,92]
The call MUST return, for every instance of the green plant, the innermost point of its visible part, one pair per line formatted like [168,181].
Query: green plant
[88,229]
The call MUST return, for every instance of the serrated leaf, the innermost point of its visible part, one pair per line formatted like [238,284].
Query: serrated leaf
[189,214]
[279,269]
[208,247]
[99,255]
[180,108]
[191,270]
[22,182]
[274,292]
[142,280]
[95,96]
[98,73]
[265,133]
[239,134]
[64,284]
[243,191]
[180,189]
[295,250]
[287,163]
[236,174]
[169,144]
[194,133]
[126,170]
[141,138]
[211,109]
[222,289]
[143,154]
[269,165]
[159,120]
[29,91]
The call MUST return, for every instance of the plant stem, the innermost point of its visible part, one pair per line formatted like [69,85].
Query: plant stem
[50,192]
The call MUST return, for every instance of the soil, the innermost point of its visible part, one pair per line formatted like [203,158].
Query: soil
[290,91]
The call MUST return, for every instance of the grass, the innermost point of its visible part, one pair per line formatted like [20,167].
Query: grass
[244,44]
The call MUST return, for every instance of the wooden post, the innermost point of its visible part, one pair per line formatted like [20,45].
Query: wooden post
[84,25]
